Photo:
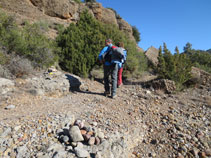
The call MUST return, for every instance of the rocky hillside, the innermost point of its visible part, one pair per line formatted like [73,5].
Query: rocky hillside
[54,12]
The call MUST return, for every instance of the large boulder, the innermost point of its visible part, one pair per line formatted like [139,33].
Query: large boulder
[199,76]
[125,27]
[152,55]
[54,82]
[168,86]
[6,85]
[56,8]
[104,15]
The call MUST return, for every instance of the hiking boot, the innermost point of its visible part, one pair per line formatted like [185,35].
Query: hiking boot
[106,94]
[113,96]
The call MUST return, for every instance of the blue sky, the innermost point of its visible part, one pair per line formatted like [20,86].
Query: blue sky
[174,22]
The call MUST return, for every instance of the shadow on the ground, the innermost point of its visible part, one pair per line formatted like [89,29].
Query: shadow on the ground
[75,85]
[89,92]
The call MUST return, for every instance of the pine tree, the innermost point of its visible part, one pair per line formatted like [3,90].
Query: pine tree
[170,64]
[175,67]
[188,48]
[80,45]
[161,67]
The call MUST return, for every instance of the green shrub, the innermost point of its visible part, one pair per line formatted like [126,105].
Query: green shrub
[175,67]
[81,43]
[3,58]
[136,34]
[199,58]
[28,41]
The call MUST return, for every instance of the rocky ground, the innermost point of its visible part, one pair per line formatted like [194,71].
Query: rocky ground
[39,121]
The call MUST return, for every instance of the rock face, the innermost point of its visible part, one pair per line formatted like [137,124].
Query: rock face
[62,12]
[102,14]
[152,55]
[125,27]
[53,8]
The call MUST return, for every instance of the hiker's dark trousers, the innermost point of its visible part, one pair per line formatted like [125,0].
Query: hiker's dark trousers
[110,70]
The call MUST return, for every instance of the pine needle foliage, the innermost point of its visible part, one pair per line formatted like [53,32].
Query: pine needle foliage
[175,67]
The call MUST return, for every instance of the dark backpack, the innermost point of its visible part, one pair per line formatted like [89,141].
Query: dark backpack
[108,54]
[117,54]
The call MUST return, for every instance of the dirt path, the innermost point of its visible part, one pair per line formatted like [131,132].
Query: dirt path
[133,107]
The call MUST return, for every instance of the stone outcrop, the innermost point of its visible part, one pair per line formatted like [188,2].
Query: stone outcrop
[102,14]
[200,76]
[6,85]
[152,55]
[167,86]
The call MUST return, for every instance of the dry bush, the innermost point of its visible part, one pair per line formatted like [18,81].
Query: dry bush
[20,67]
[5,73]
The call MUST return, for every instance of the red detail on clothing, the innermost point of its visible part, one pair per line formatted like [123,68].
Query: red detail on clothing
[119,82]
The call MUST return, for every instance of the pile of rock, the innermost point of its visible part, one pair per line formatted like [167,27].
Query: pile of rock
[60,135]
[78,135]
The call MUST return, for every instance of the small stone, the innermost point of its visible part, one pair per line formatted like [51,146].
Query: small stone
[65,139]
[91,133]
[74,144]
[80,145]
[154,141]
[101,135]
[91,141]
[195,151]
[87,137]
[208,152]
[83,132]
[10,107]
[80,152]
[79,123]
[94,123]
[202,154]
[97,141]
[152,154]
[75,134]
[17,128]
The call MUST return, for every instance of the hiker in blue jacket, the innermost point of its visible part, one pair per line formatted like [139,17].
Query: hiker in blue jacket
[110,68]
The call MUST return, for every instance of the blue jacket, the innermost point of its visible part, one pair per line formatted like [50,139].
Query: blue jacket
[105,49]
